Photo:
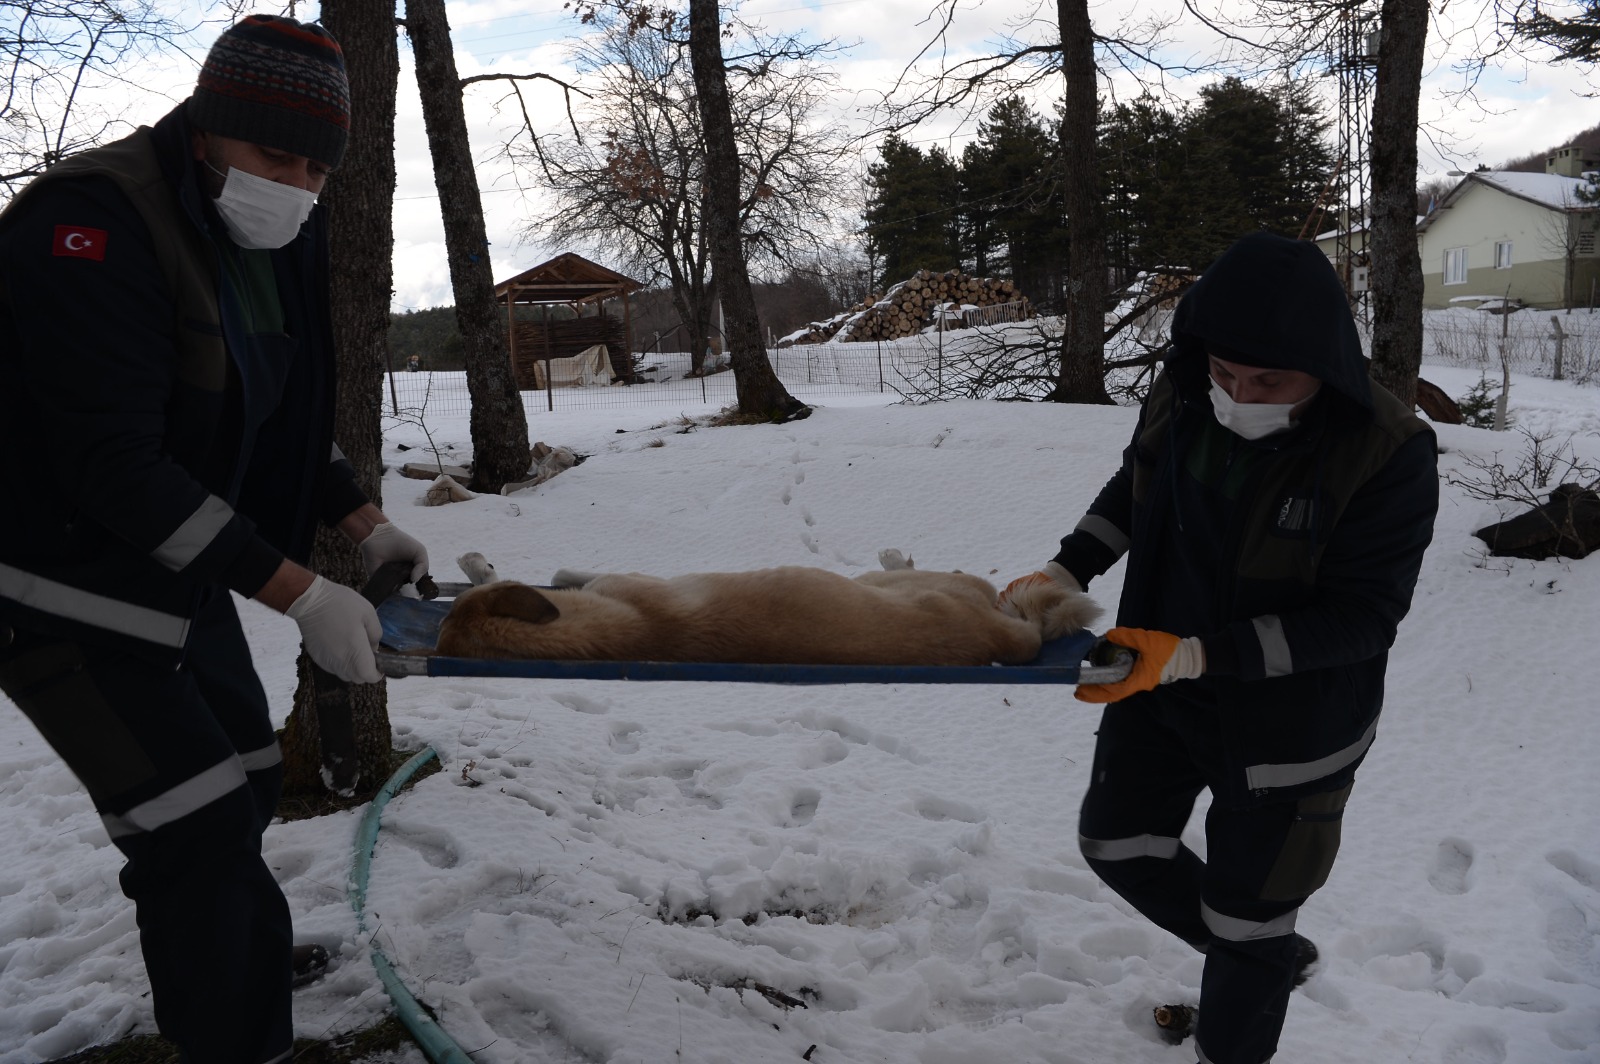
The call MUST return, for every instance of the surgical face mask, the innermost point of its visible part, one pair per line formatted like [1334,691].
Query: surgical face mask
[261,213]
[1253,421]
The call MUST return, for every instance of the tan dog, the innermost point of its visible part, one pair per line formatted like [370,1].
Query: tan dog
[789,615]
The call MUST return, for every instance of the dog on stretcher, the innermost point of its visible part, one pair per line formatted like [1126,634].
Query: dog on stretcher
[792,615]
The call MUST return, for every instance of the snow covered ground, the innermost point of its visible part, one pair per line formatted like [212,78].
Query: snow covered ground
[609,871]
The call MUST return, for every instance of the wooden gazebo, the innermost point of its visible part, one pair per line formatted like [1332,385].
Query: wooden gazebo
[538,341]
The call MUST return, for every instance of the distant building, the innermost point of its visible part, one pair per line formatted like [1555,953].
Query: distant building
[1501,233]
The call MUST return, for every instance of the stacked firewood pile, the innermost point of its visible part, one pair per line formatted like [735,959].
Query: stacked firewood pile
[908,307]
[534,341]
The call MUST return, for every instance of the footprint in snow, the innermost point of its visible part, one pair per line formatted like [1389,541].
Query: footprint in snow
[1571,932]
[1411,957]
[582,703]
[803,807]
[1474,1045]
[944,809]
[624,737]
[829,749]
[1452,863]
[1584,872]
[1056,881]
[434,846]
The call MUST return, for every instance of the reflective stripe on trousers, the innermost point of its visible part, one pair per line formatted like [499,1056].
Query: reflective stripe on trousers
[1129,848]
[177,802]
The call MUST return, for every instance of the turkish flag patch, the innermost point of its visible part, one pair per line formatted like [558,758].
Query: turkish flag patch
[80,242]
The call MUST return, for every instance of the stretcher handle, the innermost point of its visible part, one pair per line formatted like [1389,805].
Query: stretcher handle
[390,577]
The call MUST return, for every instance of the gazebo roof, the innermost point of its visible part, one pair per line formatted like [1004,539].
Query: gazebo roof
[568,278]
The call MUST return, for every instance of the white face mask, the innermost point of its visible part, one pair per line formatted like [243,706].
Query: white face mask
[261,213]
[1253,421]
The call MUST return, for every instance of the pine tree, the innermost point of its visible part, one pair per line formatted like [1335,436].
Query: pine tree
[912,211]
[1013,213]
[1149,220]
[1576,36]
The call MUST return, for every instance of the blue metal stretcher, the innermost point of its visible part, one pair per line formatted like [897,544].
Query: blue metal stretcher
[411,627]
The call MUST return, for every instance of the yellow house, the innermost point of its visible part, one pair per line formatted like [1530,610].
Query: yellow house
[1529,237]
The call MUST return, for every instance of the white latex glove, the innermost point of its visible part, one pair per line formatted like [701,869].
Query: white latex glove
[340,630]
[386,543]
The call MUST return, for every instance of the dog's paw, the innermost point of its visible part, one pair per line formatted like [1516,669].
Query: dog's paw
[892,560]
[479,569]
[1056,610]
[573,578]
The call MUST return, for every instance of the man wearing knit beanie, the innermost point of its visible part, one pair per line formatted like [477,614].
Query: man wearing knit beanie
[189,423]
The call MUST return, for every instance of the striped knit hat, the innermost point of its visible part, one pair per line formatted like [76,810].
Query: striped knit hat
[278,83]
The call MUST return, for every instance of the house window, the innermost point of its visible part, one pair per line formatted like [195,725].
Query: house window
[1455,266]
[1502,255]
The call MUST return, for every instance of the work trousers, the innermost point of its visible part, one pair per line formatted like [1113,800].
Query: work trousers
[185,772]
[1239,905]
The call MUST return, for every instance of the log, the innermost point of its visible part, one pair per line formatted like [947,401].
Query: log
[1439,407]
[1567,524]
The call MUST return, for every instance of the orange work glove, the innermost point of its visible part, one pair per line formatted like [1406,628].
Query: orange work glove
[1052,573]
[1160,657]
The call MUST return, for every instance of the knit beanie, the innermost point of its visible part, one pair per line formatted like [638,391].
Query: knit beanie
[278,83]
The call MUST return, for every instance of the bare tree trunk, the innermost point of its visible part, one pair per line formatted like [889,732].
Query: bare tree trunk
[761,394]
[360,203]
[500,451]
[1396,263]
[1083,372]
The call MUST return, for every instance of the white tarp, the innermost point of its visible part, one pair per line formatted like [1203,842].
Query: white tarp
[588,367]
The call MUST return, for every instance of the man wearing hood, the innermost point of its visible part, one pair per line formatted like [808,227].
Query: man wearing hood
[1274,506]
[166,348]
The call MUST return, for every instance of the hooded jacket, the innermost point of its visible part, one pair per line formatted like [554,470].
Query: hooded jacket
[1293,557]
[177,391]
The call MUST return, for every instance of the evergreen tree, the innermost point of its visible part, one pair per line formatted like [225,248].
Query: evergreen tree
[1149,221]
[1238,152]
[912,212]
[1181,185]
[1013,216]
[1574,35]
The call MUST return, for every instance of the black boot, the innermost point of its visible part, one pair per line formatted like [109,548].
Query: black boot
[1305,956]
[309,960]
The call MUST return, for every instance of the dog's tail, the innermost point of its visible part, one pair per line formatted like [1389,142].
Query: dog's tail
[1056,610]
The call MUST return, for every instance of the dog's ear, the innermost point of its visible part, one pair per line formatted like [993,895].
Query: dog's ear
[519,602]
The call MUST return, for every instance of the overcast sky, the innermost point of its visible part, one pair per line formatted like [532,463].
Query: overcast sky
[1521,108]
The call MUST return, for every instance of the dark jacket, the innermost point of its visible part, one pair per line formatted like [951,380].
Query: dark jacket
[184,433]
[1294,557]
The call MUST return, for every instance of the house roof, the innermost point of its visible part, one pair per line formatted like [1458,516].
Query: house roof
[1551,191]
[567,278]
[1359,227]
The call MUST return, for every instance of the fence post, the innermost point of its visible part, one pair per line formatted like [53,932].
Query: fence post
[1505,366]
[880,365]
[394,396]
[1561,343]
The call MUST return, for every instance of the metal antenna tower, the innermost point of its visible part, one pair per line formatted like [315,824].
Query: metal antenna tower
[1355,64]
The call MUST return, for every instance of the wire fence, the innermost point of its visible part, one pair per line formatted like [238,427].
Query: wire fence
[1551,344]
[898,368]
[1007,360]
